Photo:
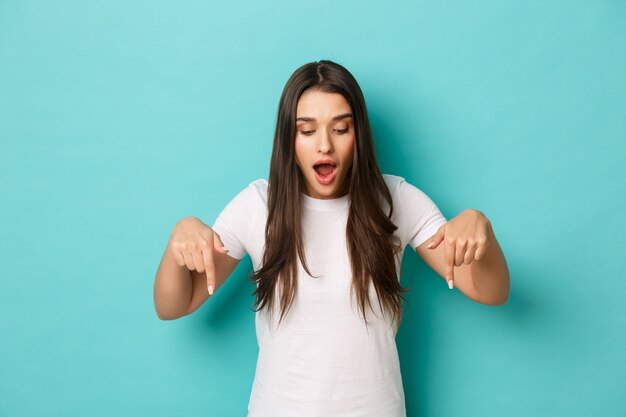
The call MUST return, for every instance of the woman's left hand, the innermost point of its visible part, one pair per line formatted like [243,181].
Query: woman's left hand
[466,239]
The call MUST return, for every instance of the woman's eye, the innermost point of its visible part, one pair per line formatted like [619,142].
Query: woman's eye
[310,132]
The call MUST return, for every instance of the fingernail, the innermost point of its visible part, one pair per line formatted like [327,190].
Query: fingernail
[431,245]
[224,247]
[210,289]
[450,284]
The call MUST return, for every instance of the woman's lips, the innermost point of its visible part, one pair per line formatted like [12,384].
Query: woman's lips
[326,179]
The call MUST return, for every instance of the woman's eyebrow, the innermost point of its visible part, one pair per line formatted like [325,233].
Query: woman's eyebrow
[313,119]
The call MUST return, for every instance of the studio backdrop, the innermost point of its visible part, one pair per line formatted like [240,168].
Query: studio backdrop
[118,118]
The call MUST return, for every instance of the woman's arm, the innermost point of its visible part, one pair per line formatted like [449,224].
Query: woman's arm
[478,269]
[172,288]
[179,291]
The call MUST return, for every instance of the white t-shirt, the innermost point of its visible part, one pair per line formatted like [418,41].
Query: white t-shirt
[322,361]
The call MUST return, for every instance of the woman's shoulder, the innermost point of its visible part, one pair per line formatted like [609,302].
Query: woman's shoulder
[251,194]
[259,183]
[403,191]
[393,182]
[257,189]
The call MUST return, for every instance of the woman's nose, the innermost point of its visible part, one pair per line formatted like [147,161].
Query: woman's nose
[325,144]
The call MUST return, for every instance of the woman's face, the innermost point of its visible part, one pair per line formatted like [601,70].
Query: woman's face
[324,130]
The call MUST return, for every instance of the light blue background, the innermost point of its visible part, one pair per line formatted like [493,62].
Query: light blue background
[118,118]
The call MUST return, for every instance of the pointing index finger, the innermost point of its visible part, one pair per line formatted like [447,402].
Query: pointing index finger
[209,267]
[449,250]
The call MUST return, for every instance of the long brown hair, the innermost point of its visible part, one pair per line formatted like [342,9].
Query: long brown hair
[371,244]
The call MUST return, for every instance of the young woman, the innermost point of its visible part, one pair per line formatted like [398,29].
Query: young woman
[326,236]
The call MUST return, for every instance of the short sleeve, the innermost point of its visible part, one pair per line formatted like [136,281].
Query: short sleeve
[420,217]
[234,222]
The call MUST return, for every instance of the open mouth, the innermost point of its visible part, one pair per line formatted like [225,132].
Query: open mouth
[325,172]
[324,169]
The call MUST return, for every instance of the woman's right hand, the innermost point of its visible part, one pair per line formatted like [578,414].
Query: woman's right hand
[193,244]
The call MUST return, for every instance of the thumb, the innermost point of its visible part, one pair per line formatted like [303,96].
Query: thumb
[437,238]
[217,243]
